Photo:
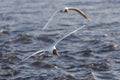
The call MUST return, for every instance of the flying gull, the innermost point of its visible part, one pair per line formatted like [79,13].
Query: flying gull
[52,49]
[66,10]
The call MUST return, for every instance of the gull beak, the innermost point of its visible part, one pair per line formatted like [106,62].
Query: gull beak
[55,52]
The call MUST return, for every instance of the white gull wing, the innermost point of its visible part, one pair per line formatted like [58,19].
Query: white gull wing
[79,11]
[50,19]
[56,42]
[40,51]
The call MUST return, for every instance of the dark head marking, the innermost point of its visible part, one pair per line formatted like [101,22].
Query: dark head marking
[55,52]
[64,11]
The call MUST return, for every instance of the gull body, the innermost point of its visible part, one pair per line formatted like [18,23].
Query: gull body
[66,10]
[52,49]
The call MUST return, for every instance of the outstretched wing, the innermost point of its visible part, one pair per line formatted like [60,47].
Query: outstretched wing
[40,51]
[79,11]
[55,43]
[49,20]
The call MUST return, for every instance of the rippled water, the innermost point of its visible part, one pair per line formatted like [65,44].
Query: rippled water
[92,53]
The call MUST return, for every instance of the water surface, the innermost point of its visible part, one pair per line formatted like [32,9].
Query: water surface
[92,53]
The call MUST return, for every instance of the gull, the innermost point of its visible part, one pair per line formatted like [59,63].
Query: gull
[52,49]
[66,10]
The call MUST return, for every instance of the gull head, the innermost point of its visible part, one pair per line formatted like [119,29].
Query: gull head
[55,52]
[65,10]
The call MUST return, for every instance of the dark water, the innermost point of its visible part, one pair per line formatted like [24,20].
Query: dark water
[92,53]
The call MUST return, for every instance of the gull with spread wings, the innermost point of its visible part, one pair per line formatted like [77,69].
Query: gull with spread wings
[66,10]
[52,49]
